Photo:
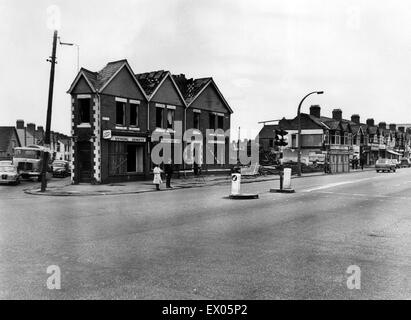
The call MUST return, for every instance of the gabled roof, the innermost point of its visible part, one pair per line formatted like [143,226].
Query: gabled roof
[6,134]
[268,131]
[191,89]
[150,81]
[99,80]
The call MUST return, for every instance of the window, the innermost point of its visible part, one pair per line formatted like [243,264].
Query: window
[271,143]
[170,118]
[220,120]
[159,117]
[120,107]
[133,114]
[197,120]
[212,121]
[84,110]
[294,141]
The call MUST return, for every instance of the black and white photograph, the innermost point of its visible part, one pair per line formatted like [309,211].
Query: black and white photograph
[227,151]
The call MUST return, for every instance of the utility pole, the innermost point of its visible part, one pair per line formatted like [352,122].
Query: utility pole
[52,60]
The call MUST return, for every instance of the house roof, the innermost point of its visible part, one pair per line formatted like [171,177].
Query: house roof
[150,81]
[6,134]
[268,131]
[99,80]
[192,88]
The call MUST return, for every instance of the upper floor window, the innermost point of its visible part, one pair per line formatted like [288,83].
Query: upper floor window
[212,121]
[220,122]
[120,113]
[196,121]
[159,116]
[133,114]
[84,110]
[170,118]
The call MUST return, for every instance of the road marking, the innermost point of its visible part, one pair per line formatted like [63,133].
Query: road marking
[336,184]
[365,195]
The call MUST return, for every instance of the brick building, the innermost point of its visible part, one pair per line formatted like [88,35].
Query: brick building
[116,113]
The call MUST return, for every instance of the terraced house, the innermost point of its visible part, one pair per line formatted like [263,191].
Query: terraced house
[337,140]
[116,113]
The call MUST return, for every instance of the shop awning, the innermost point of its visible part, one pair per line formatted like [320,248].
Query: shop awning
[395,153]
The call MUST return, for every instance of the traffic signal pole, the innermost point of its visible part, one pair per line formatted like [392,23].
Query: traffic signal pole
[52,60]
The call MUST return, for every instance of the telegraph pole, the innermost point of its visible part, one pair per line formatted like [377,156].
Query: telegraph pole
[52,60]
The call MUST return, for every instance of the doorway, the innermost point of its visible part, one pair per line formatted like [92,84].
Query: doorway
[84,153]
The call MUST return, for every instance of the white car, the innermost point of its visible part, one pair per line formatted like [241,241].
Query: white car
[8,173]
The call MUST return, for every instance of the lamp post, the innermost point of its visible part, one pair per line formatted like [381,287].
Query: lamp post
[52,60]
[299,131]
[78,51]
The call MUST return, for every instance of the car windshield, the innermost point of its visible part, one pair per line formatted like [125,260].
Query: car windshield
[382,161]
[29,154]
[7,168]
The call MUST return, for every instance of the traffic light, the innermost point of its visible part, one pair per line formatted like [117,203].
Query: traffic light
[279,139]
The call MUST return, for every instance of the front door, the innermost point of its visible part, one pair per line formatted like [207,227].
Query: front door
[84,161]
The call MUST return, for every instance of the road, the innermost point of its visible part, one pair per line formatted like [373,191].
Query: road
[196,244]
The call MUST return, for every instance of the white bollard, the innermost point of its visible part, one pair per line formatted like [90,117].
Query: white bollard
[235,183]
[287,178]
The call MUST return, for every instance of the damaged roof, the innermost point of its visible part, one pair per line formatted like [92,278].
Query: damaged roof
[151,80]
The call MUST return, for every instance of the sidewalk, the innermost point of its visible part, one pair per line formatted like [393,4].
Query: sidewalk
[57,188]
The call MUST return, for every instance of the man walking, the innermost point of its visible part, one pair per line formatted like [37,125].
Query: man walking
[168,169]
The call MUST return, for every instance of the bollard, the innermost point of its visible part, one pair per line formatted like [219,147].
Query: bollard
[285,182]
[235,183]
[235,189]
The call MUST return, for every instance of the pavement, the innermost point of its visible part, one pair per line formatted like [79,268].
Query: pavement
[65,188]
[194,243]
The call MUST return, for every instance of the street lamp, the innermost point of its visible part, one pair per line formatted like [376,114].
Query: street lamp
[299,131]
[78,51]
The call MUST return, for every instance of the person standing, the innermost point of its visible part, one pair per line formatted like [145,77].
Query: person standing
[168,169]
[157,177]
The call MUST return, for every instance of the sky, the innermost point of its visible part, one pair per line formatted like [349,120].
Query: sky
[263,55]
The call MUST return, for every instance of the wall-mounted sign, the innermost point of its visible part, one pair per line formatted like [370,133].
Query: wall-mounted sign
[106,134]
[128,139]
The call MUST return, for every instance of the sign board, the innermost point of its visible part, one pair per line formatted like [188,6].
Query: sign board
[128,139]
[106,134]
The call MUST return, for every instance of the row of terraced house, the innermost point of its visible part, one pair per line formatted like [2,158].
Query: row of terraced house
[115,113]
[338,140]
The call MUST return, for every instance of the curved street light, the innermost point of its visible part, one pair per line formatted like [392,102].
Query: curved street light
[299,131]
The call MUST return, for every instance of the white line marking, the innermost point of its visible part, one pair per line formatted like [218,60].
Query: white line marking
[336,184]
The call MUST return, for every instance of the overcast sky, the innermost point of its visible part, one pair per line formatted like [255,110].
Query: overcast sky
[264,55]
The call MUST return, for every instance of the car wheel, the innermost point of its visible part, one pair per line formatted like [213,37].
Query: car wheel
[378,171]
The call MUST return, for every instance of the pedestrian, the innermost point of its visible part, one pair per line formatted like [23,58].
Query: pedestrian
[157,177]
[362,163]
[168,169]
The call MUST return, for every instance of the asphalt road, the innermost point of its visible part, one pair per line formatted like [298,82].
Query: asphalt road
[195,244]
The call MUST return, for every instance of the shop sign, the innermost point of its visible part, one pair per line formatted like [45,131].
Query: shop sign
[128,139]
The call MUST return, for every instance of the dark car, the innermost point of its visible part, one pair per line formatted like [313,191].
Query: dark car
[61,168]
[385,165]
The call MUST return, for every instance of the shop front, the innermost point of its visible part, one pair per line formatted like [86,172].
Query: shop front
[124,156]
[339,159]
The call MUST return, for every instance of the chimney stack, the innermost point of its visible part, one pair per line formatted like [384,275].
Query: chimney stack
[382,125]
[20,124]
[370,122]
[393,127]
[337,114]
[401,129]
[315,110]
[355,118]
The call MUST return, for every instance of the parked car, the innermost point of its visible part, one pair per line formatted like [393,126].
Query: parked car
[405,163]
[385,165]
[61,168]
[397,163]
[8,173]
